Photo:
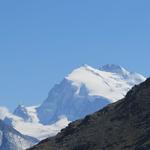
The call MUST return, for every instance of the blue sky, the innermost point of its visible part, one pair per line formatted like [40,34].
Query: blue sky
[42,41]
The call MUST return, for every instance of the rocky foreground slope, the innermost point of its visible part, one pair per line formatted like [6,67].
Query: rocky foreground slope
[124,125]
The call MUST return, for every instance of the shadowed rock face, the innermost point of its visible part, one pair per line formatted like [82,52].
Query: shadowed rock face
[124,125]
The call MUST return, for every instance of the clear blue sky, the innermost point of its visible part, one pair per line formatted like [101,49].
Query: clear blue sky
[41,41]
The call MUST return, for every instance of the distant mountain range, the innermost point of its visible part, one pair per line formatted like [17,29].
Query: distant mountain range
[123,125]
[84,91]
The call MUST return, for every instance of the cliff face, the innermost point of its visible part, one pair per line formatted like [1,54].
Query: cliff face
[124,125]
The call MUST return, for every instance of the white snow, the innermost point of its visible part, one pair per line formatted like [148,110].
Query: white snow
[36,129]
[39,130]
[32,113]
[100,83]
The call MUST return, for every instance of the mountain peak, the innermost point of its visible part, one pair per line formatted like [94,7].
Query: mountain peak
[84,91]
[130,77]
[113,68]
[85,65]
[20,106]
[101,82]
[21,111]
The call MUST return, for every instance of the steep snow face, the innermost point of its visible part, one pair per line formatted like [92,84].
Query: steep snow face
[99,83]
[10,139]
[86,90]
[64,100]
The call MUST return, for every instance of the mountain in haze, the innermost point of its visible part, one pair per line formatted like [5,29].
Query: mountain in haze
[84,91]
[10,139]
[123,125]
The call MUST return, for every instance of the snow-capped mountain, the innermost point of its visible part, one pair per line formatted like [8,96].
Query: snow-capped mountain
[131,77]
[28,114]
[32,127]
[10,139]
[84,91]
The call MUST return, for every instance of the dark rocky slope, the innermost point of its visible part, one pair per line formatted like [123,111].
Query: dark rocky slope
[124,125]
